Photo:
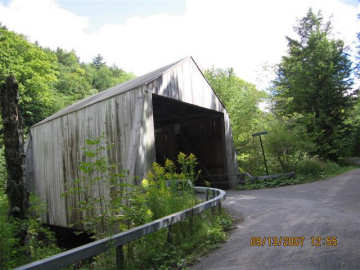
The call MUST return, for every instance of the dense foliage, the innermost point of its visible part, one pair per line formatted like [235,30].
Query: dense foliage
[165,190]
[314,111]
[34,69]
[314,82]
[241,100]
[39,242]
[314,120]
[49,80]
[355,115]
[307,170]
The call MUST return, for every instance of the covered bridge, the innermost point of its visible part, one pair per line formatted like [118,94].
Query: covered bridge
[147,119]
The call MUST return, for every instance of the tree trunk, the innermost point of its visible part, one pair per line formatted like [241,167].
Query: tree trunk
[14,148]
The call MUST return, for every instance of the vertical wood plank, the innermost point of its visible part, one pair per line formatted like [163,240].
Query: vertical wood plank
[127,121]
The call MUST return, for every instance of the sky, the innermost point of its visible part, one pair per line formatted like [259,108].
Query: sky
[142,35]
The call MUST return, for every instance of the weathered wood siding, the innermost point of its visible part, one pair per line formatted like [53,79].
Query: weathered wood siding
[146,148]
[58,148]
[126,121]
[186,83]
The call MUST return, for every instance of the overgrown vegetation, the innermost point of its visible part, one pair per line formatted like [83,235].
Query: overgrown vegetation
[39,242]
[164,191]
[308,170]
[313,124]
[49,80]
[314,107]
[314,82]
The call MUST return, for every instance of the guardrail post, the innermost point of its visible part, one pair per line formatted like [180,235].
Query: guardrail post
[120,260]
[169,236]
[192,221]
[125,238]
[213,208]
[207,195]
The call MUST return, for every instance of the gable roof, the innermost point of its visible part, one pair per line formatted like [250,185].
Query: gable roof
[113,91]
[117,90]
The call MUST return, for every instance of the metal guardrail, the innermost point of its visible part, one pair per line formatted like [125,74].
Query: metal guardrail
[273,176]
[118,240]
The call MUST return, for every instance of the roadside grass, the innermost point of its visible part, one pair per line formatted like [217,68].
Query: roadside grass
[170,248]
[40,242]
[190,240]
[303,175]
[222,224]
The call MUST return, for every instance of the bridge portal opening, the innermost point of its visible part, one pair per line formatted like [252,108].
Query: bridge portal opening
[183,127]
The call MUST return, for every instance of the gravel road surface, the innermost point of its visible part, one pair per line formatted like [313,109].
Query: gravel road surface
[328,208]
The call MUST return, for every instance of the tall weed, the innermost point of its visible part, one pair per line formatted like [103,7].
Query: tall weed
[166,189]
[39,242]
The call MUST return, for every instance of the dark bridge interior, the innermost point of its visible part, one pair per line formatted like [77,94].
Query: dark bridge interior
[183,127]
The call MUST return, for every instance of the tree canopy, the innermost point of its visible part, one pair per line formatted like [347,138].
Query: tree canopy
[49,80]
[241,100]
[36,72]
[314,81]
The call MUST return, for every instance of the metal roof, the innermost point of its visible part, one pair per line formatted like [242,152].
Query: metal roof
[113,91]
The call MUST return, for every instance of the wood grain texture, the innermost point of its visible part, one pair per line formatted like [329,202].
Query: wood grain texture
[126,121]
[58,149]
[186,83]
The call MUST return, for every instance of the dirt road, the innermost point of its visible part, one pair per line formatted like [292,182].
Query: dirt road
[329,208]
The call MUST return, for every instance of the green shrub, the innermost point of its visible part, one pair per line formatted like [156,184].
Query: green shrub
[307,170]
[8,241]
[310,167]
[187,240]
[286,144]
[164,190]
[129,205]
[3,173]
[39,242]
[316,168]
[331,167]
